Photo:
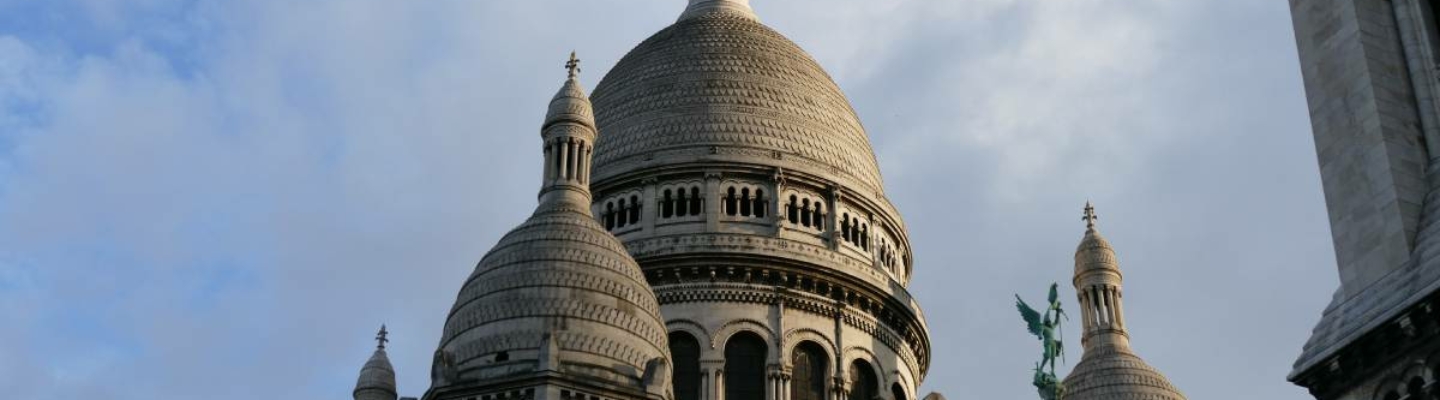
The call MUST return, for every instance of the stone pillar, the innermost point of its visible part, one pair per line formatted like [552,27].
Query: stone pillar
[651,209]
[549,169]
[712,201]
[771,378]
[719,393]
[832,221]
[777,210]
[1119,306]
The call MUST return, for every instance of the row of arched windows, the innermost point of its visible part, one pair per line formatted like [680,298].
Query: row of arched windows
[621,212]
[745,359]
[744,202]
[681,202]
[802,211]
[751,202]
[854,231]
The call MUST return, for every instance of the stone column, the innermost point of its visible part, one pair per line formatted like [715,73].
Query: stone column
[549,164]
[832,221]
[777,211]
[1119,307]
[651,209]
[712,201]
[719,393]
[772,376]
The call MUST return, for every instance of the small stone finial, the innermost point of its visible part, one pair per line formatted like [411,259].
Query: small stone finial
[381,337]
[573,66]
[1090,216]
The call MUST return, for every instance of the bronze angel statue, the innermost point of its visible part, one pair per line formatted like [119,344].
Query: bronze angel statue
[1046,327]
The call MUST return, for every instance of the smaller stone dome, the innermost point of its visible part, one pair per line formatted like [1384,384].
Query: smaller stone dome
[570,104]
[1094,254]
[1116,373]
[558,296]
[377,378]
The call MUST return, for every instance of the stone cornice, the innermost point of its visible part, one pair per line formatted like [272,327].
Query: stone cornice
[1410,331]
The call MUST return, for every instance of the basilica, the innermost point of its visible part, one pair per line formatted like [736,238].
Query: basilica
[712,224]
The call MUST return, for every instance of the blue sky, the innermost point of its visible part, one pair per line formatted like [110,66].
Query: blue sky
[224,199]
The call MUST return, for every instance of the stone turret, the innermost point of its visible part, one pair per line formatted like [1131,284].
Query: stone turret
[377,377]
[557,309]
[1110,369]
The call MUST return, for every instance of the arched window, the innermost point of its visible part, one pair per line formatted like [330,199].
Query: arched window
[805,212]
[745,367]
[635,209]
[621,218]
[863,385]
[730,202]
[609,216]
[681,203]
[792,210]
[761,204]
[810,366]
[819,216]
[845,226]
[695,201]
[667,205]
[865,237]
[897,392]
[685,351]
[745,204]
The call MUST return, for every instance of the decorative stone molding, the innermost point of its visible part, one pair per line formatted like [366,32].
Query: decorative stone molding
[795,336]
[723,334]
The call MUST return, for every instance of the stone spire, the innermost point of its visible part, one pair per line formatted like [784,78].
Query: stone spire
[705,7]
[1110,369]
[557,308]
[377,377]
[569,133]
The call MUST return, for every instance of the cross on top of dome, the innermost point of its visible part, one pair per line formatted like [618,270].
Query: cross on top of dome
[1090,216]
[573,65]
[380,337]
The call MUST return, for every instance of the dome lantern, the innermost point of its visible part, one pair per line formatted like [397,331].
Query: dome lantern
[1110,369]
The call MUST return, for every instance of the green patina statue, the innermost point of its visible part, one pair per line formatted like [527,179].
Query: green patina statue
[1046,327]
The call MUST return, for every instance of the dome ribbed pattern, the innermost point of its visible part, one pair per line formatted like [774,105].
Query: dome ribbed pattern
[725,86]
[1095,253]
[1116,373]
[560,274]
[377,378]
[570,105]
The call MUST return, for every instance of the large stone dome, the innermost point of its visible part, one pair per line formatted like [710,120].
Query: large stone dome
[721,86]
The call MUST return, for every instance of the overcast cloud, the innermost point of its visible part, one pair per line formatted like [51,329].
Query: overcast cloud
[224,199]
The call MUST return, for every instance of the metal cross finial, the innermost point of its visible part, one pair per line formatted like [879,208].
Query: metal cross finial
[1090,216]
[573,65]
[380,337]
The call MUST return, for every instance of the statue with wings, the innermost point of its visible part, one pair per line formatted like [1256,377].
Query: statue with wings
[1046,327]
